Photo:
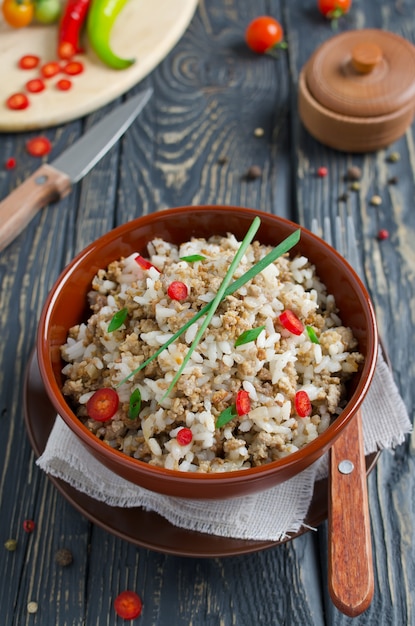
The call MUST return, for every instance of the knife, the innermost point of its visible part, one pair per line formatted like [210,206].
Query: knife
[53,181]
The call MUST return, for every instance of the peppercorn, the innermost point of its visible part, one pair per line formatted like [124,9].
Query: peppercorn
[393,180]
[394,157]
[343,197]
[354,173]
[376,200]
[253,173]
[10,544]
[63,557]
[259,132]
[223,160]
[32,607]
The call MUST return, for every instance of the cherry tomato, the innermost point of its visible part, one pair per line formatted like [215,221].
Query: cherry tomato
[50,69]
[64,84]
[128,605]
[17,101]
[243,402]
[103,404]
[73,67]
[264,34]
[184,436]
[38,146]
[302,404]
[35,85]
[47,11]
[177,290]
[18,13]
[333,9]
[28,62]
[291,322]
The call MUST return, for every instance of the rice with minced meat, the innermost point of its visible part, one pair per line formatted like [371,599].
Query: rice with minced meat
[271,368]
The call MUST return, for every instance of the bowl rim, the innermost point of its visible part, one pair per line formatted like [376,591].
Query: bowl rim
[312,450]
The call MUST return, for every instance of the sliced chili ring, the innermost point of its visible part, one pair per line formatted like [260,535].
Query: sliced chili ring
[291,322]
[64,84]
[184,436]
[302,404]
[36,85]
[103,404]
[243,402]
[50,69]
[28,62]
[177,290]
[38,146]
[17,101]
[73,67]
[128,605]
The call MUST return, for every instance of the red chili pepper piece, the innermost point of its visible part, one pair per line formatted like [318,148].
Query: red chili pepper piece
[177,290]
[302,404]
[28,62]
[17,101]
[36,85]
[103,404]
[50,69]
[144,264]
[322,172]
[184,436]
[10,163]
[243,402]
[38,146]
[73,67]
[128,605]
[291,322]
[73,18]
[383,234]
[28,525]
[64,84]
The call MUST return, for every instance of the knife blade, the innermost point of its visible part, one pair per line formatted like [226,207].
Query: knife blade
[53,181]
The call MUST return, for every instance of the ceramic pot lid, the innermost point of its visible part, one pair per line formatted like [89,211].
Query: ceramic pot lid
[363,73]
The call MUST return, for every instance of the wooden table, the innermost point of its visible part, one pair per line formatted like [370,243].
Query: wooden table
[193,145]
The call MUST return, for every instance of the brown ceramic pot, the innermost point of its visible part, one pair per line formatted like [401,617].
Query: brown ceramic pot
[66,306]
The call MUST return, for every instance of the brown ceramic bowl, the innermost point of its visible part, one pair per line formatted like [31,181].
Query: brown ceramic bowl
[66,306]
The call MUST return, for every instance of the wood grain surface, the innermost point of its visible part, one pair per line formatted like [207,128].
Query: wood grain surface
[194,145]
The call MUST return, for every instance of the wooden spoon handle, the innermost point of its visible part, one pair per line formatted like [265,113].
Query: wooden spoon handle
[350,565]
[45,185]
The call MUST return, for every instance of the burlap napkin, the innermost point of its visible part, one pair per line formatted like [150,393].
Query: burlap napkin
[266,516]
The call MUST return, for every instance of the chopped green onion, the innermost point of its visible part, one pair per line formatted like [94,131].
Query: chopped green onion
[286,245]
[218,298]
[135,404]
[118,320]
[312,335]
[192,258]
[226,416]
[249,335]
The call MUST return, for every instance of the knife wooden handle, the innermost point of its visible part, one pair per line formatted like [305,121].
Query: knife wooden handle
[21,205]
[350,566]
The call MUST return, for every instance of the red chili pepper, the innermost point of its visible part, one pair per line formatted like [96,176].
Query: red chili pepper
[302,404]
[144,264]
[291,322]
[322,172]
[10,163]
[64,84]
[38,146]
[243,402]
[103,404]
[17,101]
[28,62]
[36,85]
[73,18]
[383,234]
[177,290]
[128,605]
[184,436]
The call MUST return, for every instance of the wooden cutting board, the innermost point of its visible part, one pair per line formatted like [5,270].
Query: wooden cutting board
[144,30]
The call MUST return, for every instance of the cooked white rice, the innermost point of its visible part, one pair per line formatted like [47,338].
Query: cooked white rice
[270,369]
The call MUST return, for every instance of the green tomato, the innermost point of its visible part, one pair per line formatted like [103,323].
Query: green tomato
[47,11]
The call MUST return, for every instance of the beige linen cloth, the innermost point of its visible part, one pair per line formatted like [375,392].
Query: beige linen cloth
[266,516]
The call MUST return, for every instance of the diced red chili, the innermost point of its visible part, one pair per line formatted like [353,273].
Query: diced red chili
[17,101]
[36,85]
[302,404]
[144,264]
[50,69]
[103,404]
[243,402]
[10,163]
[383,234]
[177,290]
[184,436]
[322,172]
[38,146]
[28,62]
[291,322]
[128,605]
[64,84]
[28,525]
[73,67]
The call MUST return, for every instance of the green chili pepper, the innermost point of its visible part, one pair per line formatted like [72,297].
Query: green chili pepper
[101,17]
